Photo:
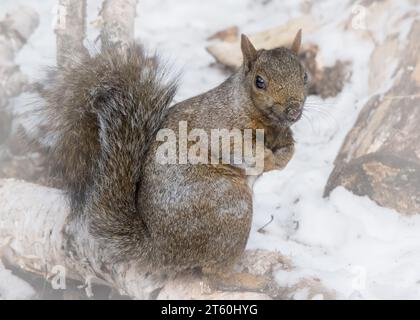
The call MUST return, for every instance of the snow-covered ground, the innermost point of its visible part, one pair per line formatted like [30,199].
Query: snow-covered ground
[352,245]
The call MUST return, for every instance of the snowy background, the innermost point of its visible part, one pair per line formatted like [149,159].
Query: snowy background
[353,246]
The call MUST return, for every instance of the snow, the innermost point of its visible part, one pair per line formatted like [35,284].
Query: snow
[11,287]
[353,246]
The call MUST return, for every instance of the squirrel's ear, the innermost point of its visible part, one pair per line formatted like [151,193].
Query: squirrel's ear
[297,42]
[249,52]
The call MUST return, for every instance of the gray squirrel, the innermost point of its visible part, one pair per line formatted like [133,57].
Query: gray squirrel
[104,114]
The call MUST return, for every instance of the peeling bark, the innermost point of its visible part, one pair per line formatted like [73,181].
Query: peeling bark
[36,235]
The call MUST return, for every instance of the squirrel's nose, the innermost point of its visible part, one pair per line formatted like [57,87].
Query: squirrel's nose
[295,105]
[294,111]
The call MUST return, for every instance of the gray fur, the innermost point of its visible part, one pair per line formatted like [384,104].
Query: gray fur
[106,112]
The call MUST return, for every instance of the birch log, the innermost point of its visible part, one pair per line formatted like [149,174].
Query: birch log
[70,30]
[380,156]
[118,22]
[32,223]
[35,235]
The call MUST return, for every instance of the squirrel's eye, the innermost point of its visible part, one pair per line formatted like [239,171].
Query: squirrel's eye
[305,78]
[260,83]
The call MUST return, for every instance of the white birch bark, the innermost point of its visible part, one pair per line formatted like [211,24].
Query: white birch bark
[70,30]
[118,22]
[32,221]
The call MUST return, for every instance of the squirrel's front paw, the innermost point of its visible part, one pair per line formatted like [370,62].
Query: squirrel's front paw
[283,155]
[278,159]
[269,160]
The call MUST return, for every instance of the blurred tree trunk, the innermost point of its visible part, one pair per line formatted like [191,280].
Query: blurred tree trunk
[70,30]
[380,157]
[15,30]
[118,22]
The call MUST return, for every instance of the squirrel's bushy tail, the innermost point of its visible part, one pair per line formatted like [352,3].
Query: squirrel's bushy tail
[102,113]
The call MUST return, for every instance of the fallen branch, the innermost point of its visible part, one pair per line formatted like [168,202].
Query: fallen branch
[32,220]
[34,234]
